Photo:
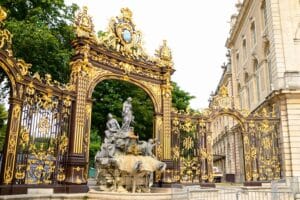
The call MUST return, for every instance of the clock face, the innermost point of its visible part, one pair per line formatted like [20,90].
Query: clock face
[126,34]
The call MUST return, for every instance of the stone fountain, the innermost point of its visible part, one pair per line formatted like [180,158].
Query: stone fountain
[124,163]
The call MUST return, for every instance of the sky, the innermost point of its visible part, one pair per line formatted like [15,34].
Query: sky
[196,31]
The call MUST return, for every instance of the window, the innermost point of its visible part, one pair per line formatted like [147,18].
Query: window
[262,79]
[247,92]
[266,49]
[240,95]
[248,96]
[244,49]
[237,59]
[264,13]
[255,65]
[246,77]
[256,72]
[253,33]
[251,93]
[270,75]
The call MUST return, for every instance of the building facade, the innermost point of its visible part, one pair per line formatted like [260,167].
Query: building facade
[264,71]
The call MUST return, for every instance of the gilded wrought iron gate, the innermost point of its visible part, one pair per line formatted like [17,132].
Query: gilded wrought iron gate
[192,142]
[261,147]
[43,137]
[192,150]
[38,127]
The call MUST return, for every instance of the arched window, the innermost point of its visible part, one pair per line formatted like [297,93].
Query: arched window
[239,89]
[257,78]
[253,33]
[264,13]
[244,49]
[246,77]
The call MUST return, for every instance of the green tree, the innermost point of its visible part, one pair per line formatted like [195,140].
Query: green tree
[42,33]
[3,119]
[180,98]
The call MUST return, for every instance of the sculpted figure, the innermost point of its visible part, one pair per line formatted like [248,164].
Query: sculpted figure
[107,150]
[151,143]
[146,147]
[112,128]
[127,115]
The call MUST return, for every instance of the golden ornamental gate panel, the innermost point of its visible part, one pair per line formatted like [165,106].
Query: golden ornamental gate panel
[192,142]
[191,149]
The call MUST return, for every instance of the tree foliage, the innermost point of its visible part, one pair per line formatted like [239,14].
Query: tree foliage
[42,34]
[180,98]
[3,119]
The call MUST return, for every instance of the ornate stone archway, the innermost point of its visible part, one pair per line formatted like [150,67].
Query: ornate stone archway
[116,54]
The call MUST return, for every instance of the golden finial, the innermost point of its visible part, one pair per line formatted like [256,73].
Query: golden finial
[3,14]
[84,24]
[164,52]
[126,13]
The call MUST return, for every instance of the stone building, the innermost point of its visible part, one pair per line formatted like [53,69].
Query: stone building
[263,71]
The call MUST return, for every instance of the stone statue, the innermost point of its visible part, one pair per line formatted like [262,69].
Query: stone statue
[146,147]
[112,128]
[124,163]
[127,115]
[151,143]
[107,150]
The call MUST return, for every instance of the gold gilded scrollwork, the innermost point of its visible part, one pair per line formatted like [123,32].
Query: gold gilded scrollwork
[44,125]
[126,67]
[253,152]
[210,177]
[175,126]
[84,25]
[265,126]
[12,143]
[203,153]
[61,175]
[30,89]
[24,139]
[188,143]
[159,151]
[3,14]
[176,153]
[20,172]
[23,66]
[223,92]
[63,143]
[222,99]
[188,126]
[121,36]
[5,35]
